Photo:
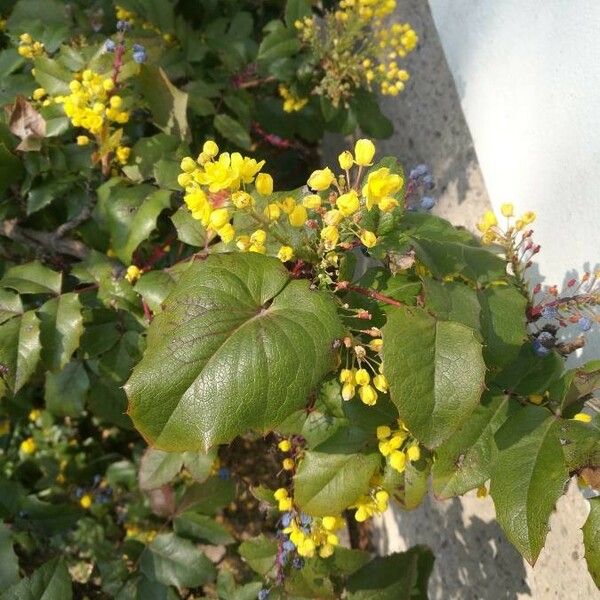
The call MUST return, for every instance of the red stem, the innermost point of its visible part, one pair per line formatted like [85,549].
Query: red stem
[375,295]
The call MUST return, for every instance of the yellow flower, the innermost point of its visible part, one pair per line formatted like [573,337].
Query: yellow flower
[258,248]
[259,237]
[241,199]
[507,209]
[34,415]
[489,220]
[226,233]
[330,235]
[364,151]
[362,377]
[285,253]
[348,391]
[346,160]
[133,273]
[298,216]
[413,453]
[245,167]
[287,205]
[383,432]
[188,164]
[288,464]
[219,217]
[184,179]
[312,201]
[39,93]
[86,501]
[210,148]
[368,395]
[272,212]
[380,382]
[528,217]
[264,184]
[376,345]
[219,175]
[28,446]
[368,238]
[321,180]
[83,140]
[348,203]
[347,376]
[381,184]
[284,445]
[398,460]
[243,242]
[123,153]
[583,417]
[280,494]
[388,204]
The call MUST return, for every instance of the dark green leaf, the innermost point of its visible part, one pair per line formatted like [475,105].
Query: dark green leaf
[10,305]
[9,563]
[50,582]
[66,390]
[232,130]
[453,301]
[154,287]
[296,10]
[208,497]
[201,527]
[189,230]
[197,353]
[158,467]
[259,553]
[52,76]
[32,278]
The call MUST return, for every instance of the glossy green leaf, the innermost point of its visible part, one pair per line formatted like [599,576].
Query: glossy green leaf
[326,484]
[502,324]
[189,230]
[465,461]
[232,130]
[158,467]
[528,477]
[200,527]
[50,582]
[452,301]
[260,553]
[61,326]
[167,103]
[52,76]
[279,43]
[154,287]
[436,374]
[399,576]
[9,563]
[32,278]
[591,540]
[66,390]
[10,305]
[172,560]
[222,354]
[296,10]
[208,497]
[19,350]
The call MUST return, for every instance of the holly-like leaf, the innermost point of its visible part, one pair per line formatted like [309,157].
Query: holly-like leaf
[66,390]
[158,467]
[196,526]
[32,278]
[19,350]
[48,582]
[232,130]
[502,324]
[189,230]
[591,540]
[399,576]
[435,370]
[61,326]
[154,287]
[528,478]
[52,76]
[237,346]
[167,103]
[327,483]
[10,305]
[259,553]
[172,560]
[465,460]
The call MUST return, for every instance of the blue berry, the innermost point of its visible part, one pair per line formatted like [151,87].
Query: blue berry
[428,182]
[305,519]
[109,46]
[286,519]
[585,324]
[224,473]
[123,25]
[139,53]
[263,594]
[427,203]
[297,563]
[539,349]
[549,312]
[419,171]
[288,546]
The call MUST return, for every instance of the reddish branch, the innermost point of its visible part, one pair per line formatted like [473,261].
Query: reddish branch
[373,294]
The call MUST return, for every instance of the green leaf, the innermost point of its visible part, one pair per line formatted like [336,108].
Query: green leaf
[61,326]
[9,563]
[65,391]
[399,576]
[591,540]
[502,324]
[172,560]
[11,168]
[436,373]
[259,553]
[167,104]
[414,486]
[368,113]
[158,467]
[201,527]
[131,214]
[32,278]
[189,230]
[528,477]
[198,355]
[53,77]
[452,301]
[580,443]
[465,461]
[10,305]
[295,10]
[280,42]
[326,484]
[154,287]
[232,130]
[50,582]
[200,464]
[19,350]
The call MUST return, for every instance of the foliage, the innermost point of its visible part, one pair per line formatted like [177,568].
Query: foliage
[293,360]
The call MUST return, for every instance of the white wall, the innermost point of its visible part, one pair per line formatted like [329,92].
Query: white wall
[528,76]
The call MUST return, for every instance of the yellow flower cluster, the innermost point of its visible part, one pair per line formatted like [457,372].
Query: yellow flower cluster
[28,446]
[366,10]
[91,104]
[321,536]
[288,463]
[215,186]
[122,14]
[367,506]
[491,231]
[398,446]
[291,103]
[28,48]
[133,531]
[353,378]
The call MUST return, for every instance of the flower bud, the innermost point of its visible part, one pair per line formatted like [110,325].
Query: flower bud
[346,160]
[364,151]
[264,184]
